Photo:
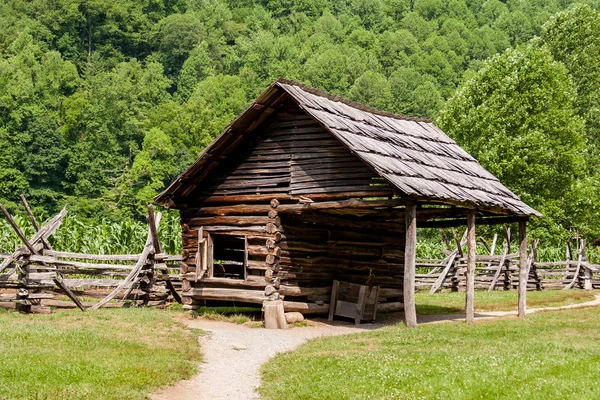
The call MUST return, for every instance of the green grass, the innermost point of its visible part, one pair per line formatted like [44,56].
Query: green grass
[106,354]
[550,355]
[454,302]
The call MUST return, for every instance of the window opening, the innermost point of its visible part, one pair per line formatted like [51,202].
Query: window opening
[229,256]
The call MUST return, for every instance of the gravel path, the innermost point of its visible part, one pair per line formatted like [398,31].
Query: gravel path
[234,353]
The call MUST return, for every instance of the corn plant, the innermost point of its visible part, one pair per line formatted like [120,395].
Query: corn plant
[126,236]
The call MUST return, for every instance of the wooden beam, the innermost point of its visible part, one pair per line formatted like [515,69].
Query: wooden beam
[410,250]
[522,267]
[471,254]
[152,224]
[17,229]
[449,223]
[59,282]
[153,230]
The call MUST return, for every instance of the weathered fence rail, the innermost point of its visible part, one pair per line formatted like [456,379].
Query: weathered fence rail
[32,277]
[501,272]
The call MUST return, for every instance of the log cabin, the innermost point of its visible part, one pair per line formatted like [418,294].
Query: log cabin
[304,188]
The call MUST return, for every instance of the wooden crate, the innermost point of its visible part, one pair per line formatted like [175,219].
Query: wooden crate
[355,301]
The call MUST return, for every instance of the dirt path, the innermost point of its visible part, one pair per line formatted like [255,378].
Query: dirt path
[234,353]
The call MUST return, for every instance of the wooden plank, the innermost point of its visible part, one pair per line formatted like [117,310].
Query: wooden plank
[78,264]
[59,282]
[333,300]
[410,313]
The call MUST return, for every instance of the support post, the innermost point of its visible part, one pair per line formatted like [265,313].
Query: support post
[410,249]
[158,249]
[522,267]
[471,245]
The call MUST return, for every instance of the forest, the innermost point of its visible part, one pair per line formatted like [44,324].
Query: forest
[103,103]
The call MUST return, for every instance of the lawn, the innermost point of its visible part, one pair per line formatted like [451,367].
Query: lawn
[454,302]
[549,355]
[105,354]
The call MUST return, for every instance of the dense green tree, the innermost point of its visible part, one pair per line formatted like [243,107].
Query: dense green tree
[372,88]
[573,38]
[518,117]
[175,37]
[89,87]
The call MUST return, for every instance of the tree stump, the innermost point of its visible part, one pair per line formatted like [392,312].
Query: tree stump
[274,314]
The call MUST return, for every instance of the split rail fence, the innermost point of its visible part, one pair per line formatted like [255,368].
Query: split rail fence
[500,269]
[35,276]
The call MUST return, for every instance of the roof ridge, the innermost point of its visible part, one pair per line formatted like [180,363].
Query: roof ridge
[351,103]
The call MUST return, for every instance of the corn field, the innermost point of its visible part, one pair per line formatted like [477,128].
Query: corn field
[128,236]
[103,237]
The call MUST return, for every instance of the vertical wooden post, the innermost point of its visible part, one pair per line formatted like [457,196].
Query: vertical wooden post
[410,250]
[588,284]
[471,245]
[522,267]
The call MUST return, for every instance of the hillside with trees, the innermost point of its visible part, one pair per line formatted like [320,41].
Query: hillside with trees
[103,103]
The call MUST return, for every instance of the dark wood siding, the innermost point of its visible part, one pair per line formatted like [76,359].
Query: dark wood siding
[291,154]
[316,250]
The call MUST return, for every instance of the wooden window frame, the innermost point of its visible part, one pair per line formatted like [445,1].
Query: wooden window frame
[210,248]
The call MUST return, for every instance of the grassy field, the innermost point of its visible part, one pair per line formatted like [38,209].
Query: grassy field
[454,302]
[549,355]
[106,354]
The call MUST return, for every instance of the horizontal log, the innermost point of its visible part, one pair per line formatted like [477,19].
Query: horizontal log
[556,264]
[261,198]
[479,221]
[28,276]
[303,291]
[252,282]
[92,282]
[305,308]
[225,294]
[78,264]
[97,293]
[235,230]
[97,257]
[390,307]
[31,296]
[230,221]
[70,304]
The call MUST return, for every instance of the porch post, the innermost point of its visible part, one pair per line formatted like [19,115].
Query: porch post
[522,267]
[410,249]
[471,245]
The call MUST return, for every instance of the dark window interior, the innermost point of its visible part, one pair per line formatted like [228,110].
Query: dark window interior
[229,255]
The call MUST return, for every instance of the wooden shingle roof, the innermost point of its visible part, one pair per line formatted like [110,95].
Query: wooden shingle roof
[412,154]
